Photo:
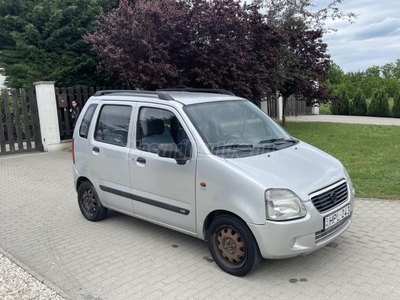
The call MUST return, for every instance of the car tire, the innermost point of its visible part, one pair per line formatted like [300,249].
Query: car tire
[89,203]
[233,246]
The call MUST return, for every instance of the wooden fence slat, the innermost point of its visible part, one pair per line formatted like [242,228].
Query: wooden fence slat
[8,121]
[79,97]
[85,95]
[35,120]
[2,137]
[26,120]
[66,112]
[61,123]
[71,94]
[67,122]
[17,120]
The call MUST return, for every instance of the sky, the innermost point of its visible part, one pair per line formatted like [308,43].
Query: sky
[374,39]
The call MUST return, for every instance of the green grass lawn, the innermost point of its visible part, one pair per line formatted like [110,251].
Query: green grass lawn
[371,154]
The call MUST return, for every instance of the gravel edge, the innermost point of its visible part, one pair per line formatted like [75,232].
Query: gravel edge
[18,281]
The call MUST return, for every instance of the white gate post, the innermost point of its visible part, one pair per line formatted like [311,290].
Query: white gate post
[48,118]
[264,106]
[279,104]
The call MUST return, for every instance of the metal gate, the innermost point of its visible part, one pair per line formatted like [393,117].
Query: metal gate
[19,122]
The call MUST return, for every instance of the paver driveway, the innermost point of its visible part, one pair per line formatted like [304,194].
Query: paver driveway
[125,258]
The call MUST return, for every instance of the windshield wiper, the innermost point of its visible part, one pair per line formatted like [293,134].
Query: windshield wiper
[278,141]
[241,147]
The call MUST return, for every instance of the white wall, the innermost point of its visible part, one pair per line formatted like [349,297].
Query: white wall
[2,78]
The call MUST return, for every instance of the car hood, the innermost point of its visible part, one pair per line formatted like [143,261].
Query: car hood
[301,168]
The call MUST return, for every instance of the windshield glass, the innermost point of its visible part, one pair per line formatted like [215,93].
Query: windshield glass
[237,128]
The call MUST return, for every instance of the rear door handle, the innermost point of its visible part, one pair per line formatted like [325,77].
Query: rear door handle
[96,149]
[141,160]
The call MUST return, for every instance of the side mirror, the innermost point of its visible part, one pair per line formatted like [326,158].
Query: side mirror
[172,151]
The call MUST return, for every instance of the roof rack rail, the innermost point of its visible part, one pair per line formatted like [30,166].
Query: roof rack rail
[161,95]
[198,90]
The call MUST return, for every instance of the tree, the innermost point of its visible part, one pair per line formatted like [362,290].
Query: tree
[304,63]
[396,105]
[42,40]
[379,106]
[335,75]
[358,107]
[199,43]
[340,104]
[369,81]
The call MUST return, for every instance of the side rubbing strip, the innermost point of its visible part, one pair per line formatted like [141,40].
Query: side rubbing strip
[146,200]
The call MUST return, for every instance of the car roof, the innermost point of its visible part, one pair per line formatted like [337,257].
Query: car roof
[183,97]
[187,98]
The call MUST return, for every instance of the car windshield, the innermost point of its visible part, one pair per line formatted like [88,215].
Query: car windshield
[237,128]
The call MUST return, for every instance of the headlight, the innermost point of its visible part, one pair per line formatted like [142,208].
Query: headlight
[283,205]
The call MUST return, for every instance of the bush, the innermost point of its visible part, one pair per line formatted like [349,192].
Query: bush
[358,107]
[340,104]
[379,106]
[396,105]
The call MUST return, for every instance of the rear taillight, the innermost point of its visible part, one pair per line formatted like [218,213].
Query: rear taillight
[73,151]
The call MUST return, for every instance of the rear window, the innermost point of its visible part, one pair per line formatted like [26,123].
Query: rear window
[87,119]
[113,124]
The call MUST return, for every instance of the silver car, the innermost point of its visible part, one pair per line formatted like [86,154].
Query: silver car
[211,165]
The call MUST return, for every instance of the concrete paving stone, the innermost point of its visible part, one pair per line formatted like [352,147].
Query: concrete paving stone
[188,294]
[391,280]
[337,296]
[392,296]
[126,258]
[384,289]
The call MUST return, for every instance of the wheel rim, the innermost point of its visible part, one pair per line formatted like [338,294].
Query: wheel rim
[230,247]
[88,201]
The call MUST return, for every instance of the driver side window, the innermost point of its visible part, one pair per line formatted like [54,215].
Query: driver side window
[159,126]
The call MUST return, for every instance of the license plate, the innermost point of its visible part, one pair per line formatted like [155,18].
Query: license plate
[336,217]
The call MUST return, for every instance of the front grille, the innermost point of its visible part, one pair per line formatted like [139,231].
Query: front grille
[323,234]
[331,198]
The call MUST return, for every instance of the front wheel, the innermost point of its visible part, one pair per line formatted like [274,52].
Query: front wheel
[89,203]
[233,246]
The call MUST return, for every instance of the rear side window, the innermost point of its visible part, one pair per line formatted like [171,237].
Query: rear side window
[113,125]
[87,119]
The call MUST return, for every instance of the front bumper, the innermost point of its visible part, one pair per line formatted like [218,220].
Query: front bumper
[292,238]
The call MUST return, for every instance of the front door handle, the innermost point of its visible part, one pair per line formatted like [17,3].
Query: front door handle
[141,160]
[96,149]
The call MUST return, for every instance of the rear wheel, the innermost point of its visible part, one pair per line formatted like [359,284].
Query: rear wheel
[233,246]
[89,203]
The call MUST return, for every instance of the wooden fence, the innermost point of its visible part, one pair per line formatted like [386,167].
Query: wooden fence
[296,107]
[19,121]
[64,98]
[270,104]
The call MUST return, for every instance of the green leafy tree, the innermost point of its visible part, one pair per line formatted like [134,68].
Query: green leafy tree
[369,81]
[340,102]
[42,40]
[372,81]
[358,106]
[396,105]
[304,64]
[335,75]
[379,106]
